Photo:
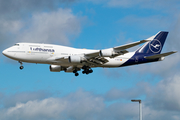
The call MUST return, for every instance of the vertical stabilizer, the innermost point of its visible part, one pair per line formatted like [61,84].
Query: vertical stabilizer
[155,45]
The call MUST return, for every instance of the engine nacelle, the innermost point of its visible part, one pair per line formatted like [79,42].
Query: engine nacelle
[55,68]
[106,53]
[75,59]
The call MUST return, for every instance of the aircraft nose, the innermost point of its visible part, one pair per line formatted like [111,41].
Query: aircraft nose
[6,53]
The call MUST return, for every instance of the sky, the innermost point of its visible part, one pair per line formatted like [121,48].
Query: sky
[38,94]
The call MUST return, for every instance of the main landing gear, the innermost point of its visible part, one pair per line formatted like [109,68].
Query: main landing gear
[21,67]
[76,73]
[86,70]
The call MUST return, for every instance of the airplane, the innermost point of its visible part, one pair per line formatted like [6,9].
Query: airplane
[68,59]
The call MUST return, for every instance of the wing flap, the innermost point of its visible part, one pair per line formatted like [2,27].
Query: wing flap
[94,58]
[160,55]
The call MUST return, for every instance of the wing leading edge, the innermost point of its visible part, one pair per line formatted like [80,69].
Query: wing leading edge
[126,46]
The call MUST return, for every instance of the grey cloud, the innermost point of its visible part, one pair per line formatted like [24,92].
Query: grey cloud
[128,94]
[23,97]
[166,6]
[83,105]
[14,9]
[120,111]
[161,102]
[174,36]
[166,95]
[30,21]
[80,105]
[52,27]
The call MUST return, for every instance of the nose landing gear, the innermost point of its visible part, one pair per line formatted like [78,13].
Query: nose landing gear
[21,67]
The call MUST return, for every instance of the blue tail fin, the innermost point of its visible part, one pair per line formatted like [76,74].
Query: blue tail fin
[154,46]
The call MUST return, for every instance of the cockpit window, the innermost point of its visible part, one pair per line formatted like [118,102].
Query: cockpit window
[16,44]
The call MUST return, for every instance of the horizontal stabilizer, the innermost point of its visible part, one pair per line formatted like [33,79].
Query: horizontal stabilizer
[160,55]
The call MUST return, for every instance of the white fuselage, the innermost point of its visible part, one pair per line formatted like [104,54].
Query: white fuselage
[47,53]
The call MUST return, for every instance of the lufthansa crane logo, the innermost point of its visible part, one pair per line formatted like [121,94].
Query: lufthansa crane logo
[155,46]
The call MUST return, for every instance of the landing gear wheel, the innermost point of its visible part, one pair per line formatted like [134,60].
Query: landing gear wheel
[21,67]
[87,72]
[90,71]
[75,71]
[76,74]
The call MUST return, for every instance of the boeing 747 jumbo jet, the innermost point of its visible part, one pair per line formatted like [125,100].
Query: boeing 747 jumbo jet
[61,58]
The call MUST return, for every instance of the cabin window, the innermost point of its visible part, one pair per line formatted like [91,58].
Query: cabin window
[34,46]
[48,46]
[16,44]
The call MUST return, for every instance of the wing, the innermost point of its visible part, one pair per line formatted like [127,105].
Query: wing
[62,58]
[95,59]
[56,58]
[123,47]
[99,56]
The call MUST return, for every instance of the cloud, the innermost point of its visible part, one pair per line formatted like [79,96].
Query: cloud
[59,27]
[161,102]
[128,94]
[23,97]
[80,105]
[166,95]
[16,9]
[56,26]
[167,6]
[38,21]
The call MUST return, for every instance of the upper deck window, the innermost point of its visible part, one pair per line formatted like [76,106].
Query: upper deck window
[16,44]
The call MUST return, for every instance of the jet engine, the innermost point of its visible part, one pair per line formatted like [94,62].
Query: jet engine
[107,53]
[75,59]
[55,68]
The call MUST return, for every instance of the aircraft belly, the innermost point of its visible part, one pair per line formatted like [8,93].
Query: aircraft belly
[112,63]
[118,61]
